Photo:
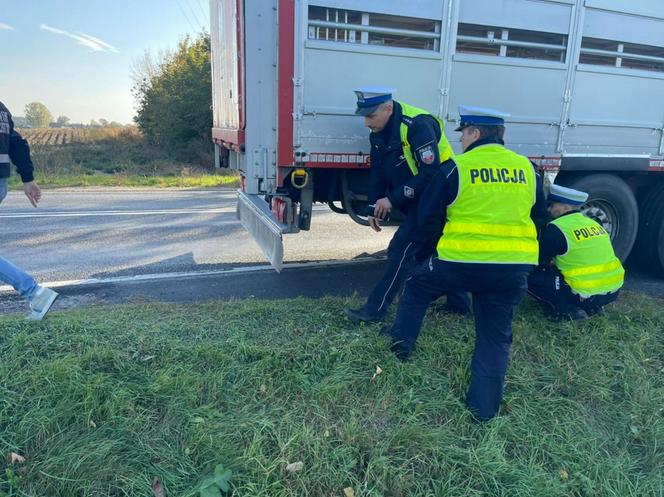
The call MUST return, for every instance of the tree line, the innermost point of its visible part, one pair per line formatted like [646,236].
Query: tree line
[37,115]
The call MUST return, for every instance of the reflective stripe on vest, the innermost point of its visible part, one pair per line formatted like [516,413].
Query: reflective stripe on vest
[4,158]
[589,266]
[444,148]
[490,222]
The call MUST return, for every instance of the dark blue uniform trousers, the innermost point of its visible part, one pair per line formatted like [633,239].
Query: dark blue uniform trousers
[408,247]
[496,293]
[548,286]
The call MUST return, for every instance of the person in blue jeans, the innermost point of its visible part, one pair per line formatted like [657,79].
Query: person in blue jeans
[14,148]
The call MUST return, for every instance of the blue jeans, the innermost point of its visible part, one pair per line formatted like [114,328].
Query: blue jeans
[22,282]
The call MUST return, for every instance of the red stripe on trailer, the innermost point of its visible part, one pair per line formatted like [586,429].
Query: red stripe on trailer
[285,72]
[341,160]
[656,165]
[229,138]
[336,160]
[335,165]
[551,163]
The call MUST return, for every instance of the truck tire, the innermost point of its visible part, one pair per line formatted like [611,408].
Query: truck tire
[649,249]
[612,204]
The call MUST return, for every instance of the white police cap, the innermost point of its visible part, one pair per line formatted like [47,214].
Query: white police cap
[481,116]
[566,195]
[370,97]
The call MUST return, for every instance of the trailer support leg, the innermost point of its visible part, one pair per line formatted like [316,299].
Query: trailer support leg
[306,204]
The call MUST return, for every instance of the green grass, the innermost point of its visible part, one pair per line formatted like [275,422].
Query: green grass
[100,401]
[130,180]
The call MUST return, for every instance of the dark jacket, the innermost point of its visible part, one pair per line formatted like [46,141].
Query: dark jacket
[13,148]
[390,175]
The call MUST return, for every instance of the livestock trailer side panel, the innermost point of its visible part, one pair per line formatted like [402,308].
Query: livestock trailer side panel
[513,55]
[582,79]
[342,52]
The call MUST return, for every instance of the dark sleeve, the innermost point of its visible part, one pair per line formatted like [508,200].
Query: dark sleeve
[552,242]
[19,153]
[423,136]
[539,212]
[377,180]
[441,192]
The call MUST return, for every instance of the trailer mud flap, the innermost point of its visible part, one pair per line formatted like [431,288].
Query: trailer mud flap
[255,215]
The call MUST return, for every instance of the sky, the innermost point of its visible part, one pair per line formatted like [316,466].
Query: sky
[75,56]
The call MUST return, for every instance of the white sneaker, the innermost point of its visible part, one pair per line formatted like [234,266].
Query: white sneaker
[41,302]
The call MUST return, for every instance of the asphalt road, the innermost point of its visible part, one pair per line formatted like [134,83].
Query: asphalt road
[95,234]
[184,246]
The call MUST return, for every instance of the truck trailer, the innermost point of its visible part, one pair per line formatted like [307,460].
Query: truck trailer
[583,81]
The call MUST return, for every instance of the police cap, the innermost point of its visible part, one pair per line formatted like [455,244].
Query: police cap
[480,116]
[369,98]
[566,195]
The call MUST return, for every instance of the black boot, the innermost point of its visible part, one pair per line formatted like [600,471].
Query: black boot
[400,350]
[363,315]
[595,311]
[573,315]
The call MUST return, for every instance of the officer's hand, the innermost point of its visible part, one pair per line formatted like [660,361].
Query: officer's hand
[374,224]
[33,192]
[383,207]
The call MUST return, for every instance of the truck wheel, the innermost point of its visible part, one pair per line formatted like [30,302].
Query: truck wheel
[649,249]
[612,204]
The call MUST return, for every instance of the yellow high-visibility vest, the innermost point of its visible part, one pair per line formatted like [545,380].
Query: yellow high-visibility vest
[444,147]
[489,222]
[590,266]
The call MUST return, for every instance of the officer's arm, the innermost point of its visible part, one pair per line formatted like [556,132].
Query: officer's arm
[377,181]
[423,136]
[552,242]
[539,213]
[441,192]
[19,153]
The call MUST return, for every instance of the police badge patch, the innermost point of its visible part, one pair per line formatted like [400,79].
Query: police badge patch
[408,192]
[426,154]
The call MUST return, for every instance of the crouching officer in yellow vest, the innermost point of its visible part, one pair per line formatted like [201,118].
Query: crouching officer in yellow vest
[578,272]
[407,146]
[491,199]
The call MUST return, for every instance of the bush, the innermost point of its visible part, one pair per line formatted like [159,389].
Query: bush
[175,102]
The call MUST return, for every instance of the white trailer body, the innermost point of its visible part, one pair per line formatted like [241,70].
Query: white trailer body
[582,79]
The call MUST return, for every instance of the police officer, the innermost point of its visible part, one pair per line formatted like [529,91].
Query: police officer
[407,146]
[492,200]
[578,272]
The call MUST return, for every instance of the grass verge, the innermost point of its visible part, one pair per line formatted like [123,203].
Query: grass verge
[101,401]
[131,180]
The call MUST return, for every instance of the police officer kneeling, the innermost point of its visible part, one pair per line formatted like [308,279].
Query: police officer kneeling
[578,272]
[488,196]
